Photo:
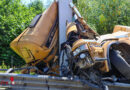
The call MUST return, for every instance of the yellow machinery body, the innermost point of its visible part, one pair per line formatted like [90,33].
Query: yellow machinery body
[31,43]
[94,47]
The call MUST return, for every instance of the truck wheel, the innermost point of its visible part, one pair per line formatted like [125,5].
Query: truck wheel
[120,63]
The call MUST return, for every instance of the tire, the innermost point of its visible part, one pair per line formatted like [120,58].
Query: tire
[120,63]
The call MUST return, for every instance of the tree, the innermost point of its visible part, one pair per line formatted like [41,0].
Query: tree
[36,6]
[14,18]
[103,15]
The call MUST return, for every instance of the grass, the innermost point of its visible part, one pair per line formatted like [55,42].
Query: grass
[4,66]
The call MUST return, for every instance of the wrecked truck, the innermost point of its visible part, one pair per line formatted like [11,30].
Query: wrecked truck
[85,54]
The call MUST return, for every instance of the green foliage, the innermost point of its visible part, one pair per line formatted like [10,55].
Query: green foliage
[3,66]
[75,1]
[36,6]
[105,14]
[14,18]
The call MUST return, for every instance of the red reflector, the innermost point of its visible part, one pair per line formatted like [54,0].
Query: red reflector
[4,83]
[11,79]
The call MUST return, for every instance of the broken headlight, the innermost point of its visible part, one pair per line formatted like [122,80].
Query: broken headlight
[82,57]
